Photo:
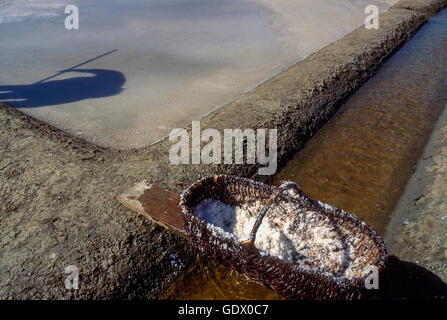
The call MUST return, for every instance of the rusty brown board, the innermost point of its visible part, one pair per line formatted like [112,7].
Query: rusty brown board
[157,204]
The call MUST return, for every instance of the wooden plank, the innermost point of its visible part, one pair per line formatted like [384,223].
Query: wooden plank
[157,204]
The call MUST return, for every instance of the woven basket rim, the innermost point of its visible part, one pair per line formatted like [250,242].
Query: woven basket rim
[362,226]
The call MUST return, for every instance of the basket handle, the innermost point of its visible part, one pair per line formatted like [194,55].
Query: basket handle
[283,187]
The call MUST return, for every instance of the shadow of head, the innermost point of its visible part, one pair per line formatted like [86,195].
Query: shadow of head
[93,84]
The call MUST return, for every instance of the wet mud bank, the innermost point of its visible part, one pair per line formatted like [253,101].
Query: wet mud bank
[417,231]
[58,193]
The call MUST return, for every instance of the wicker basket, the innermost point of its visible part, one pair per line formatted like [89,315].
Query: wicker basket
[286,278]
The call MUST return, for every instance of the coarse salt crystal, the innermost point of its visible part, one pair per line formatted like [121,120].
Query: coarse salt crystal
[306,238]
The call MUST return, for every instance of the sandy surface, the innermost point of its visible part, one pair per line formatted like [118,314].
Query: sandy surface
[418,230]
[176,60]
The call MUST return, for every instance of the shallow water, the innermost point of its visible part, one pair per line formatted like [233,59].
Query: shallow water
[362,158]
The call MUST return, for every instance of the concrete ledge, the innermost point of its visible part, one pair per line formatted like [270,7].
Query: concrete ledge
[57,192]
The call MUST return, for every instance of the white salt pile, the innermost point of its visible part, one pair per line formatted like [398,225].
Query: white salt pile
[306,238]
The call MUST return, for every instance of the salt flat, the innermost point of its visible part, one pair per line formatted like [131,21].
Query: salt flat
[168,62]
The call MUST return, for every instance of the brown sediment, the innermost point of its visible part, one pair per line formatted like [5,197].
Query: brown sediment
[57,191]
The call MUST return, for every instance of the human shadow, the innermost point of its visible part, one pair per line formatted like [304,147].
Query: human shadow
[99,84]
[404,280]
